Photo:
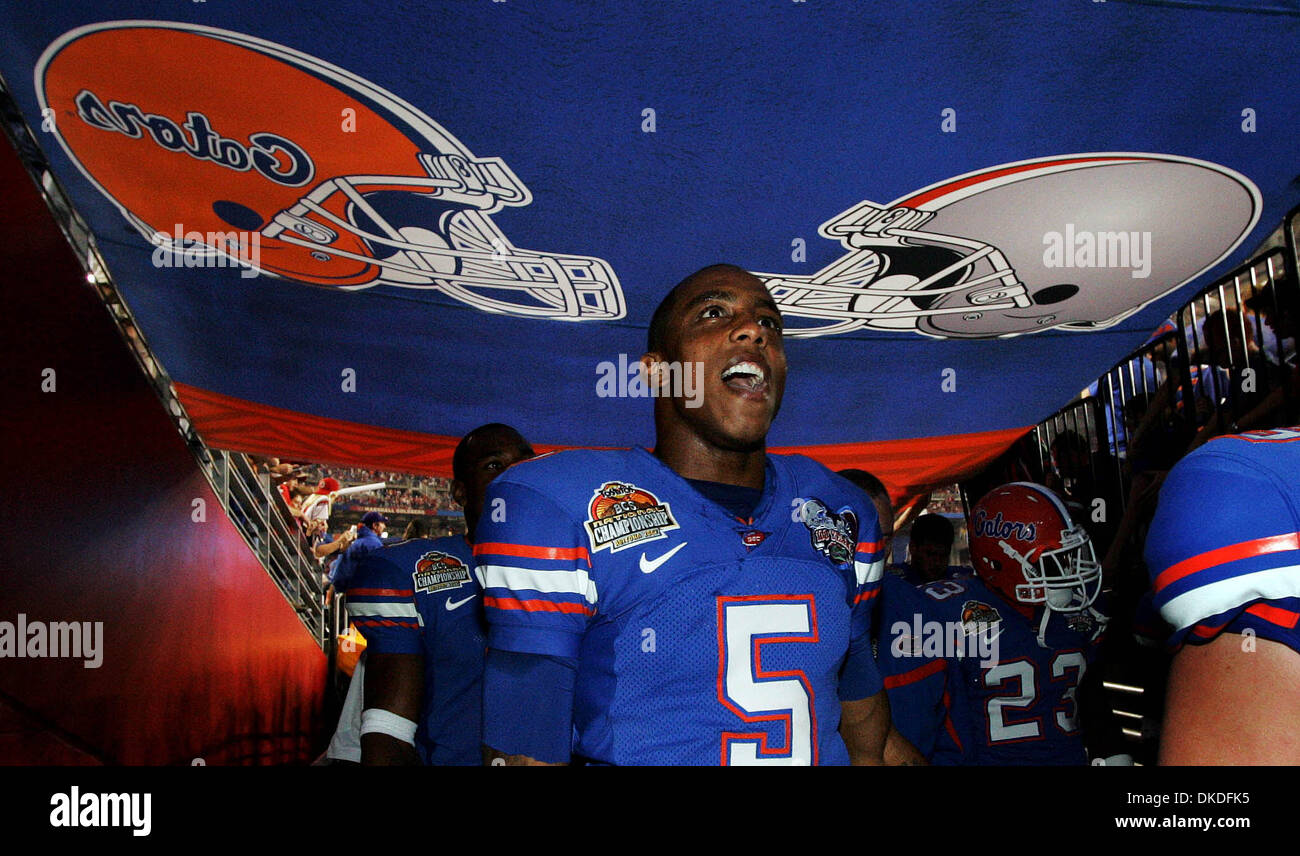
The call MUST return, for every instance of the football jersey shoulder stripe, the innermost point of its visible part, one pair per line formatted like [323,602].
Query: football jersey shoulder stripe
[388,610]
[866,595]
[529,551]
[537,605]
[386,622]
[869,572]
[515,578]
[1224,555]
[1218,597]
[379,592]
[1275,615]
[1284,618]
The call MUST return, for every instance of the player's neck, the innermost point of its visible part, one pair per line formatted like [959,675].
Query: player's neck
[693,457]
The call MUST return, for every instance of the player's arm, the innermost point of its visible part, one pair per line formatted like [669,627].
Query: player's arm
[538,595]
[864,727]
[538,690]
[1221,552]
[915,682]
[864,708]
[382,606]
[394,685]
[899,751]
[1232,701]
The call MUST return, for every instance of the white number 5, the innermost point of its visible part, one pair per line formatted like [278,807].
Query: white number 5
[745,625]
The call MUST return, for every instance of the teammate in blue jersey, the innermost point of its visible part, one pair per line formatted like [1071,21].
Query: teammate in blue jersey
[986,670]
[706,603]
[1223,552]
[929,546]
[899,749]
[418,605]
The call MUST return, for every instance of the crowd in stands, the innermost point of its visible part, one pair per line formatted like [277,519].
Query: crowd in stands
[328,528]
[394,499]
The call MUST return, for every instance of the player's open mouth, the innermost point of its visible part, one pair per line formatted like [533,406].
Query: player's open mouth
[746,377]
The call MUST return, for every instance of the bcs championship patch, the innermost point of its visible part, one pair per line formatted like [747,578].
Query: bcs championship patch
[622,514]
[437,571]
[833,535]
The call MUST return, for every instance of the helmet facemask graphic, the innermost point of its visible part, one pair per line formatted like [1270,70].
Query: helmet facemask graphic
[466,256]
[894,273]
[1073,242]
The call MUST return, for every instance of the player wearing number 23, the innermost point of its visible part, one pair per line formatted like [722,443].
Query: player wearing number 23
[705,603]
[986,670]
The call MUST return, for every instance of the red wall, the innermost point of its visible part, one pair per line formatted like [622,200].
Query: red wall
[202,655]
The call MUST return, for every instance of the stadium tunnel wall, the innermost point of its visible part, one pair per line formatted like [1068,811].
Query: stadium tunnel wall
[202,656]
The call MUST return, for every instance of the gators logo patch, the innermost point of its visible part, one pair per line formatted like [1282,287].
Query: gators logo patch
[622,514]
[438,571]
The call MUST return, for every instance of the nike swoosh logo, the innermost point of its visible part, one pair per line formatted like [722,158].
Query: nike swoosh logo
[648,567]
[452,604]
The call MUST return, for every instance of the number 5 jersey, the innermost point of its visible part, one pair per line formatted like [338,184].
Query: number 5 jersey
[700,638]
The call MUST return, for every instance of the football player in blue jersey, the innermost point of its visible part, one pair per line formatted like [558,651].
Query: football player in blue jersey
[930,545]
[704,603]
[418,605]
[1224,556]
[899,749]
[986,669]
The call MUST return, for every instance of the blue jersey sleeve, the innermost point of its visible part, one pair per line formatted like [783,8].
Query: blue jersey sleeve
[860,678]
[381,603]
[540,686]
[1223,549]
[915,680]
[346,567]
[538,589]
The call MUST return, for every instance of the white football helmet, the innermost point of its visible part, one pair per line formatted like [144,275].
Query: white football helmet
[1078,242]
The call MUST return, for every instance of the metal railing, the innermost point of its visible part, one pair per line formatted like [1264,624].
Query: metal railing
[274,537]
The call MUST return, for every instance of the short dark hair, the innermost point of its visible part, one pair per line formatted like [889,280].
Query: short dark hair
[460,460]
[874,487]
[664,311]
[1069,440]
[418,527]
[933,529]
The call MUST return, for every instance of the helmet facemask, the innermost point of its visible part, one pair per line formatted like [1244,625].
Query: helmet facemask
[1066,579]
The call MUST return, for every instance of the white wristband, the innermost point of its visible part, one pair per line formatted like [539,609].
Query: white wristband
[377,719]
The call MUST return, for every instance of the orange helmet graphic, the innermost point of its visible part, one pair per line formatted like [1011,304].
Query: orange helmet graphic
[194,132]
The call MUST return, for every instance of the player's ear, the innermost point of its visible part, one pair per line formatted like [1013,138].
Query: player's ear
[652,370]
[458,492]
